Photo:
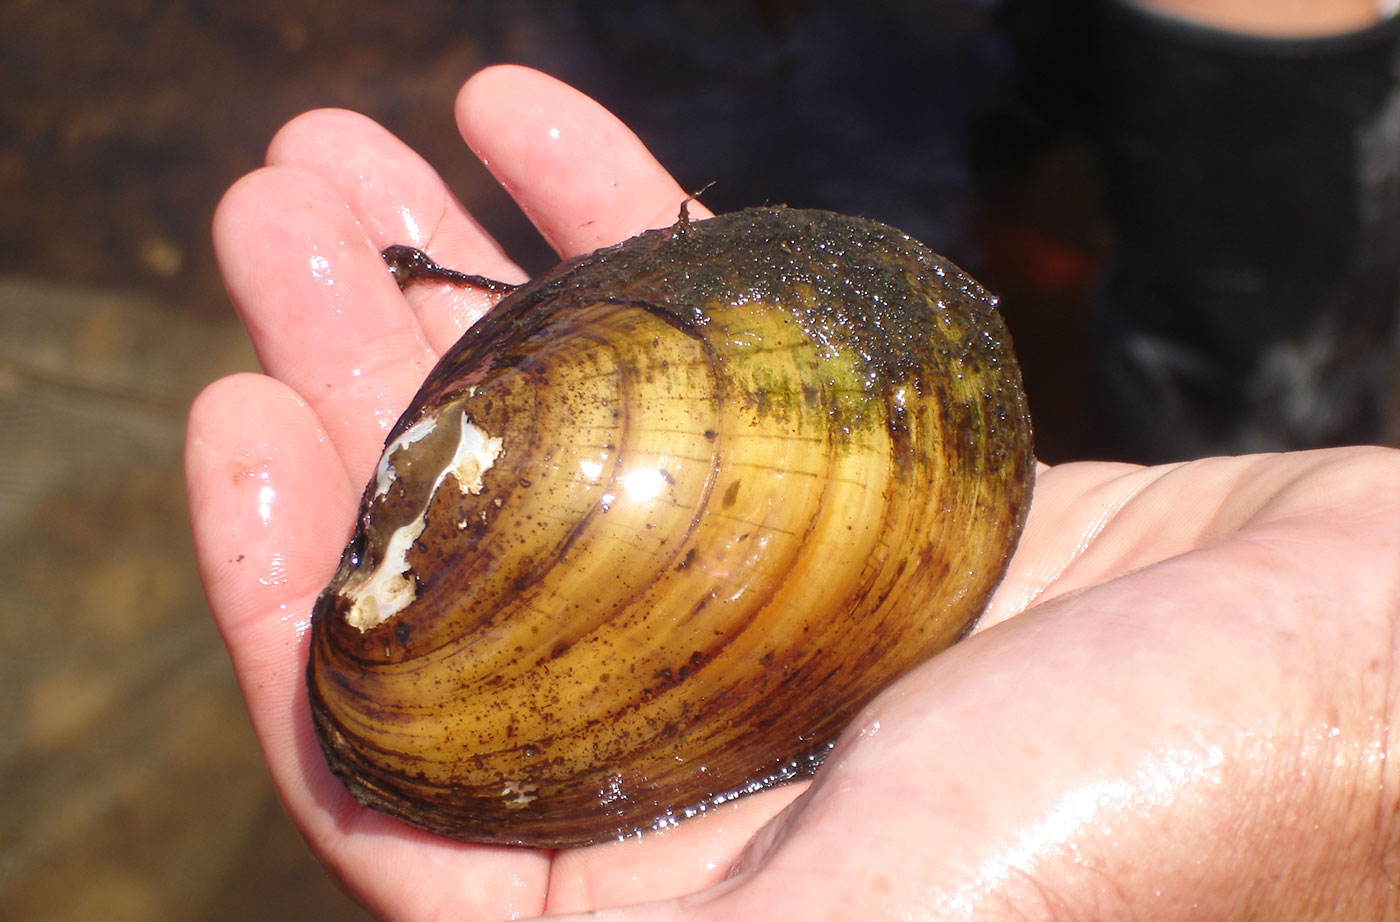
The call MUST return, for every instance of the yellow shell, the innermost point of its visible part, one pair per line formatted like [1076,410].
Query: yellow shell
[658,526]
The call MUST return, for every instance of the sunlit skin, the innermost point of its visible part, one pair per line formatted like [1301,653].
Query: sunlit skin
[1178,705]
[1277,18]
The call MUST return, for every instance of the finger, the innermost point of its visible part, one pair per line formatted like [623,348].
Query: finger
[1072,504]
[698,853]
[269,505]
[397,197]
[323,314]
[578,173]
[1091,520]
[264,517]
[268,499]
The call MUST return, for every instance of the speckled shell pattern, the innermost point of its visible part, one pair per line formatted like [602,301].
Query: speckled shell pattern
[656,528]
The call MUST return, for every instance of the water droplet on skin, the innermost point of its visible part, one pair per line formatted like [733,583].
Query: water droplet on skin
[267,496]
[321,269]
[276,573]
[412,230]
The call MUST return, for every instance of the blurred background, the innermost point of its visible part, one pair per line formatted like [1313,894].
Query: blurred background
[133,788]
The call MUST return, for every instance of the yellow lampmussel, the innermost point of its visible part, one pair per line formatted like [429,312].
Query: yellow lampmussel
[661,523]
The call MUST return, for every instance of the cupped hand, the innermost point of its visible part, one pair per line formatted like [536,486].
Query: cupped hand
[1176,706]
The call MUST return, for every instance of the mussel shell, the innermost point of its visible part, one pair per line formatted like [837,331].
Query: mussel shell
[657,527]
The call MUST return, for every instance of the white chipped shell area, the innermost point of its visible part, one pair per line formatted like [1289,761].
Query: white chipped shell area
[391,588]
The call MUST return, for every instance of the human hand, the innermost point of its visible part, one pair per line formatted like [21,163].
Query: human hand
[1177,704]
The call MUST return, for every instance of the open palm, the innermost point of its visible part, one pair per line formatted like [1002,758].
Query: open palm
[1177,704]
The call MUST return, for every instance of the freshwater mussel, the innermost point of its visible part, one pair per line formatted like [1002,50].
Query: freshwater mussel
[657,526]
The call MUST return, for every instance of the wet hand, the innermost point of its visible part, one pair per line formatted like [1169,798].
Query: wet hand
[1177,705]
